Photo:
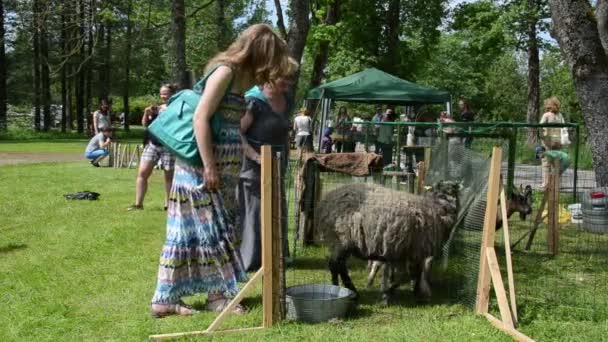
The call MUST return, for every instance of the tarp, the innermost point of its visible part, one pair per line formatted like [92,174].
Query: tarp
[376,86]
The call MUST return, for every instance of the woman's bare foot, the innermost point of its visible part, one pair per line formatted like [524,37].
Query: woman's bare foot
[218,304]
[163,310]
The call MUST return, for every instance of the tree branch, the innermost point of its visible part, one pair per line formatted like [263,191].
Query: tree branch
[280,21]
[601,13]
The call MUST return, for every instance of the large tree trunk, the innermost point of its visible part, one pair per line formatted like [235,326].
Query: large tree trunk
[533,71]
[320,61]
[298,27]
[3,120]
[64,52]
[80,88]
[179,68]
[577,34]
[393,57]
[89,64]
[128,37]
[36,62]
[602,22]
[44,66]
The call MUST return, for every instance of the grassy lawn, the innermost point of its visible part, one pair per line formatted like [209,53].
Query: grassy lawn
[85,271]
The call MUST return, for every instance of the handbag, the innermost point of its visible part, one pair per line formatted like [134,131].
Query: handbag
[174,128]
[565,139]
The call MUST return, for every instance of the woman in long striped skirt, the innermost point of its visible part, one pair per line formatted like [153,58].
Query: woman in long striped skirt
[201,249]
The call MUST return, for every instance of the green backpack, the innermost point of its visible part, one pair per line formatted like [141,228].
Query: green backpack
[174,128]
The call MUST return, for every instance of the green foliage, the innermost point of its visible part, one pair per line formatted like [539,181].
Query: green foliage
[136,106]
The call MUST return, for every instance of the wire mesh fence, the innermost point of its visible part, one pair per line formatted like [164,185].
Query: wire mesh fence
[569,286]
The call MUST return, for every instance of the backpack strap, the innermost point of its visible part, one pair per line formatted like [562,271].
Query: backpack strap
[200,85]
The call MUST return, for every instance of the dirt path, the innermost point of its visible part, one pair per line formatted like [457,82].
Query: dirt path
[13,158]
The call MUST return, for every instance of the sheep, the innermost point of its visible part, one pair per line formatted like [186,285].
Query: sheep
[519,201]
[376,223]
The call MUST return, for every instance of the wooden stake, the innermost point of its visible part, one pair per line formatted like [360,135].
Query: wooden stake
[507,242]
[539,218]
[553,210]
[235,301]
[163,337]
[509,330]
[489,226]
[499,287]
[276,240]
[266,220]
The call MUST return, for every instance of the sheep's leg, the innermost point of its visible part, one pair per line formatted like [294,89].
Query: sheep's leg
[422,290]
[337,266]
[375,267]
[387,288]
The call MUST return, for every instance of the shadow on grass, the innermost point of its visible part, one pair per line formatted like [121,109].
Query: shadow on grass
[11,247]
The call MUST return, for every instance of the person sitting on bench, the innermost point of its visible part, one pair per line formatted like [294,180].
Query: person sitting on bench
[96,149]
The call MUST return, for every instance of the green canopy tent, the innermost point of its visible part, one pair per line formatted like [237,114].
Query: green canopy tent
[375,86]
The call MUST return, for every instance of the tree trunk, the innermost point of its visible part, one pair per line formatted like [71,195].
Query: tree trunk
[128,37]
[3,119]
[44,66]
[80,88]
[393,57]
[101,71]
[36,62]
[108,63]
[298,27]
[222,30]
[533,112]
[64,53]
[577,34]
[601,13]
[89,64]
[320,61]
[179,68]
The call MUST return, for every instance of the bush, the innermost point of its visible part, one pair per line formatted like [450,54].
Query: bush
[136,107]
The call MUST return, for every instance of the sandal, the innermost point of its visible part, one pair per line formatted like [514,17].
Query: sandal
[163,310]
[218,305]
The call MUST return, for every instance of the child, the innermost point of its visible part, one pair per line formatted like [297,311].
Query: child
[327,143]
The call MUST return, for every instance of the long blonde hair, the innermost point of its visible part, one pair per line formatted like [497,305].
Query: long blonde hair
[552,104]
[259,52]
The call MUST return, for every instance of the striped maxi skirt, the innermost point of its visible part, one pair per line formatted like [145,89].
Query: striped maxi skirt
[201,251]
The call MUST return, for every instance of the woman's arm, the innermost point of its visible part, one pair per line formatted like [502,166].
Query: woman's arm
[248,150]
[215,89]
[144,120]
[95,115]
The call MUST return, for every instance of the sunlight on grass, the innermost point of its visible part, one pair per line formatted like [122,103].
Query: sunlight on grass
[85,271]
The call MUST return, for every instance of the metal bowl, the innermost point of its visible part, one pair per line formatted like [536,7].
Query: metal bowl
[314,303]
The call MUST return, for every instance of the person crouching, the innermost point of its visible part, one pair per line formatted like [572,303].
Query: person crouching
[97,150]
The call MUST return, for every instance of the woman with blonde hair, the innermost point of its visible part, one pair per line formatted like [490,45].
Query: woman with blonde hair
[201,253]
[550,136]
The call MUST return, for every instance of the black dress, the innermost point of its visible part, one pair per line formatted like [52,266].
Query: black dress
[268,128]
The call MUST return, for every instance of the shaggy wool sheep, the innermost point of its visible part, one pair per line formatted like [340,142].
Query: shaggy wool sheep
[376,223]
[520,201]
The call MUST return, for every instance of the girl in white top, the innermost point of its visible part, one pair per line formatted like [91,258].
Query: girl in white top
[302,125]
[550,136]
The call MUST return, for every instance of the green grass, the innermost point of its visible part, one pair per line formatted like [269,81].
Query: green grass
[85,271]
